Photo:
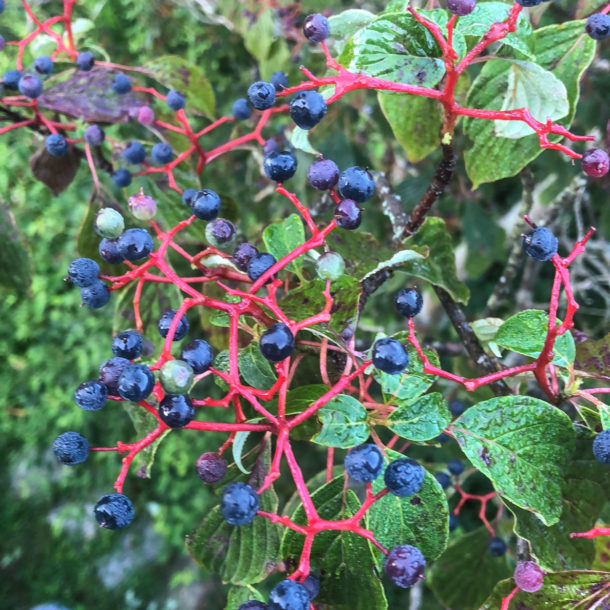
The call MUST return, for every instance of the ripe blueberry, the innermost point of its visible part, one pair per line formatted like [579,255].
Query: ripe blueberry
[95,295]
[455,466]
[289,595]
[134,153]
[242,254]
[280,166]
[128,344]
[162,153]
[527,3]
[85,61]
[364,463]
[211,467]
[356,183]
[109,251]
[30,85]
[279,80]
[176,377]
[307,109]
[188,196]
[176,411]
[70,448]
[457,407]
[453,522]
[408,302]
[91,395]
[404,565]
[239,504]
[83,271]
[540,244]
[528,576]
[443,478]
[110,371]
[56,145]
[330,266]
[198,354]
[121,83]
[136,382]
[114,511]
[595,162]
[10,79]
[135,244]
[43,64]
[316,28]
[165,322]
[206,204]
[94,135]
[404,477]
[175,100]
[601,447]
[261,95]
[348,215]
[390,356]
[220,233]
[121,177]
[271,145]
[323,174]
[277,342]
[598,26]
[312,584]
[258,264]
[496,547]
[241,109]
[461,7]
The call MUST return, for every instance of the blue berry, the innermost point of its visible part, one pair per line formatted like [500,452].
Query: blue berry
[162,153]
[220,233]
[10,79]
[312,584]
[114,511]
[198,354]
[356,183]
[277,343]
[527,3]
[165,322]
[252,604]
[241,109]
[43,64]
[211,467]
[135,244]
[289,595]
[91,395]
[71,449]
[85,61]
[601,447]
[134,153]
[598,26]
[540,244]
[348,215]
[271,145]
[110,371]
[408,302]
[128,344]
[307,109]
[1,6]
[121,83]
[455,466]
[390,356]
[443,478]
[323,174]
[496,547]
[175,100]
[404,477]
[83,271]
[56,145]
[280,166]
[279,80]
[242,254]
[364,463]
[121,177]
[136,382]
[404,565]
[94,135]
[239,504]
[108,223]
[453,522]
[316,28]
[443,438]
[457,407]
[96,295]
[109,251]
[187,197]
[258,264]
[461,8]
[176,411]
[206,204]
[30,86]
[261,95]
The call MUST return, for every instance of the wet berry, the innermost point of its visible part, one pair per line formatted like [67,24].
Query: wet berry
[348,215]
[239,504]
[280,166]
[110,371]
[176,411]
[404,477]
[135,382]
[91,395]
[83,271]
[364,463]
[198,355]
[307,109]
[356,183]
[165,322]
[258,264]
[128,344]
[404,565]
[316,28]
[277,342]
[409,302]
[323,174]
[114,511]
[109,251]
[390,356]
[71,449]
[135,244]
[206,204]
[261,95]
[211,467]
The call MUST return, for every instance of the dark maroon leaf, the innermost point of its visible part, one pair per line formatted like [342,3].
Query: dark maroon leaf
[56,172]
[594,356]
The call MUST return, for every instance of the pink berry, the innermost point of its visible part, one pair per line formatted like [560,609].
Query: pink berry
[528,576]
[142,206]
[595,162]
[146,115]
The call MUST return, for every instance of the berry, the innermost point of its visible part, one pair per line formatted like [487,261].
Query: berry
[307,109]
[540,244]
[404,477]
[390,356]
[96,295]
[146,115]
[108,223]
[56,145]
[136,382]
[496,547]
[239,504]
[85,61]
[280,166]
[142,206]
[457,407]
[165,322]
[109,251]
[279,80]
[114,511]
[277,342]
[94,135]
[176,411]
[408,302]
[241,109]
[176,377]
[316,28]
[330,266]
[30,85]
[206,204]
[528,2]
[83,271]
[595,162]
[121,83]
[2,43]
[289,595]
[162,153]
[312,584]
[175,100]
[348,215]
[134,153]
[211,467]
[71,449]
[364,463]
[242,254]
[258,264]
[252,604]
[598,26]
[1,6]
[455,466]
[323,174]
[453,522]
[110,371]
[461,7]
[10,79]
[271,145]
[121,177]
[443,438]
[135,244]
[356,183]
[220,233]
[443,479]
[601,447]
[91,395]
[128,344]
[404,565]
[43,64]
[187,196]
[261,95]
[528,576]
[198,355]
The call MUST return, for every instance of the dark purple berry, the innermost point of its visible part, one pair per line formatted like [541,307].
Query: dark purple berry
[10,79]
[94,135]
[595,162]
[405,565]
[239,504]
[135,244]
[211,467]
[409,302]
[176,411]
[136,382]
[461,8]
[279,80]
[280,166]
[198,354]
[128,344]
[443,479]
[109,251]
[162,153]
[134,153]
[453,522]
[83,271]
[289,595]
[270,146]
[121,83]
[601,447]
[455,466]
[457,407]
[242,254]
[598,26]
[30,86]
[348,215]
[121,177]
[356,183]
[277,342]
[241,110]
[220,232]
[390,356]
[43,65]
[206,204]
[323,174]
[258,264]
[316,28]
[165,322]
[188,196]
[496,547]
[85,61]
[252,604]
[307,109]
[312,584]
[110,371]
[404,477]
[95,295]
[56,145]
[528,3]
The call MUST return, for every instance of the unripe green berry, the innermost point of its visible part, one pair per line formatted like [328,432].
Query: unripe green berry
[330,266]
[108,223]
[176,377]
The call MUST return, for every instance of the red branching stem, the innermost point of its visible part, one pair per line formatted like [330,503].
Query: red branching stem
[484,499]
[592,533]
[506,600]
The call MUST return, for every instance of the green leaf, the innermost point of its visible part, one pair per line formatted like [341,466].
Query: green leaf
[299,138]
[344,25]
[239,595]
[421,520]
[466,573]
[525,334]
[175,72]
[15,259]
[221,363]
[297,401]
[220,318]
[484,237]
[237,448]
[283,237]
[254,368]
[420,419]
[344,423]
[521,444]
[259,37]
